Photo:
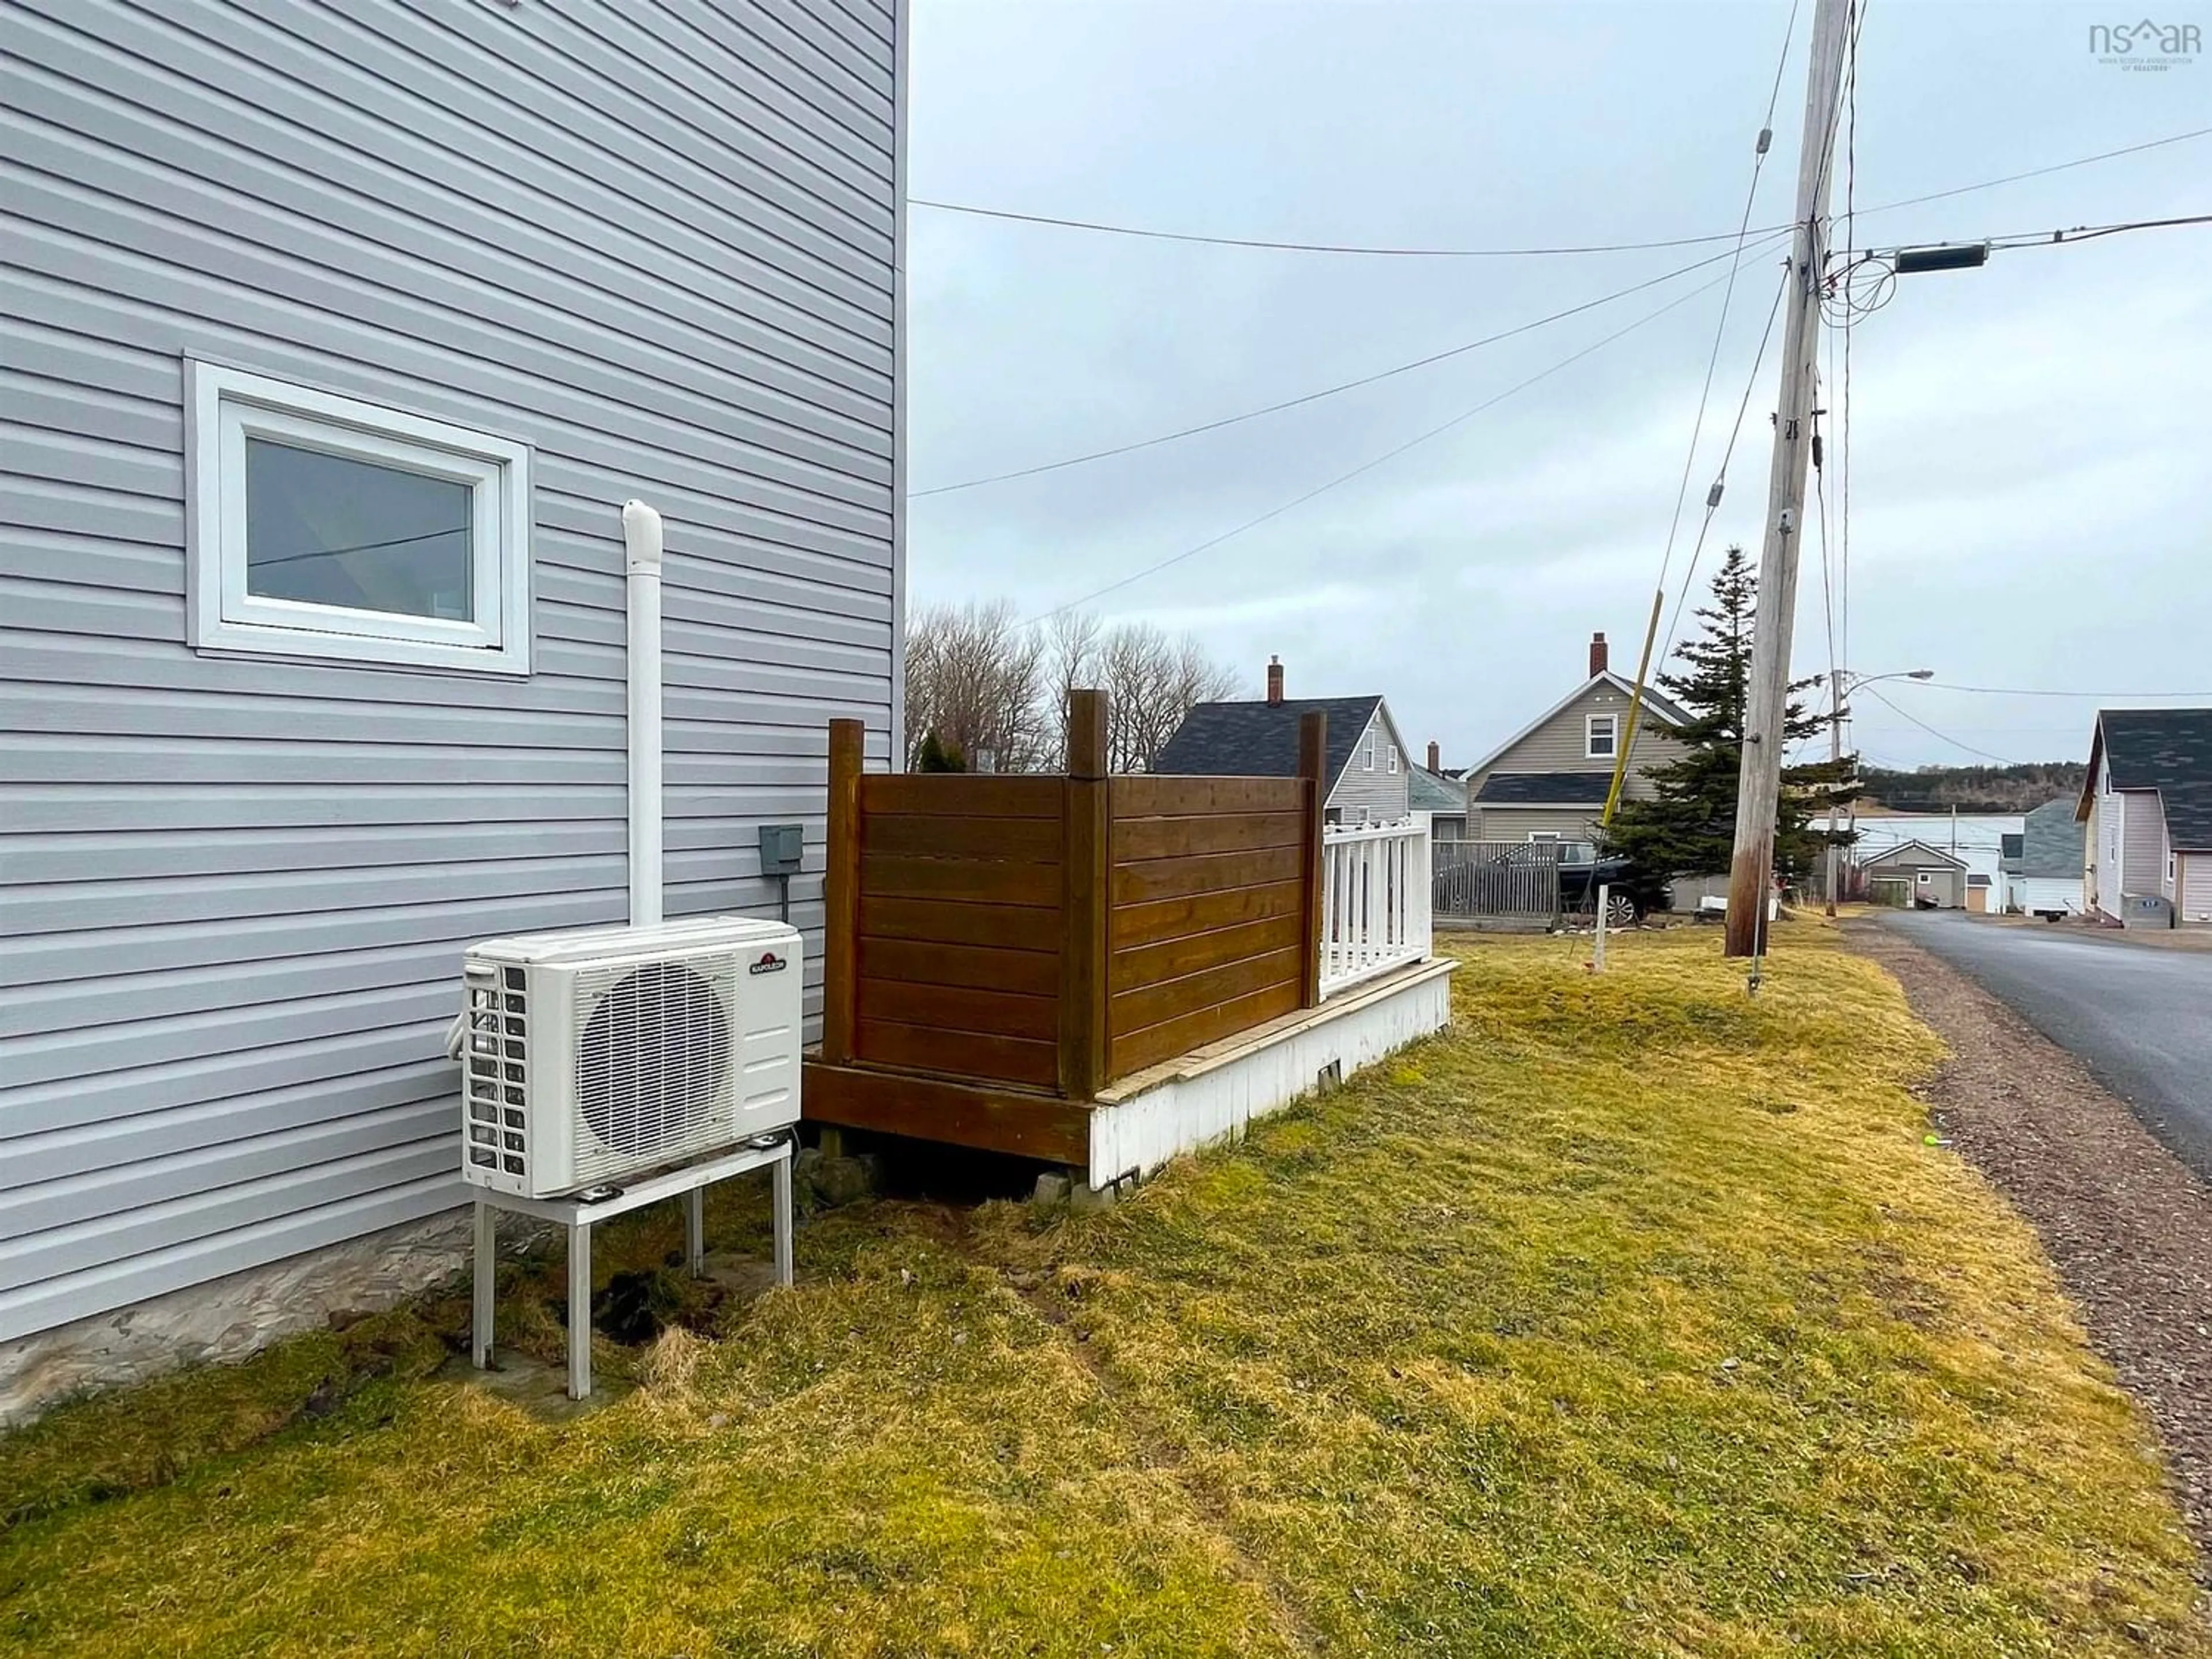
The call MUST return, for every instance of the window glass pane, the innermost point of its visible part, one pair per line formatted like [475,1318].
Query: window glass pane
[329,530]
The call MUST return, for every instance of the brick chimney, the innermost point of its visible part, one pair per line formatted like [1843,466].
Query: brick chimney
[1274,679]
[1436,757]
[1597,655]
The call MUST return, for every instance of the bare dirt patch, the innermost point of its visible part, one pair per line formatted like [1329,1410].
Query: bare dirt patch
[2127,1224]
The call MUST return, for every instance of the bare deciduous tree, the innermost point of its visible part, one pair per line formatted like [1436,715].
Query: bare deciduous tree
[981,681]
[1151,680]
[972,677]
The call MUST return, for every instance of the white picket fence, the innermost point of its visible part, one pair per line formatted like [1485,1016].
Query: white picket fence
[1375,902]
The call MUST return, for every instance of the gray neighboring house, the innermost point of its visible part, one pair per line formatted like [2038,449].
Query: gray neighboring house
[1932,878]
[2050,860]
[1549,780]
[336,337]
[1368,764]
[2147,811]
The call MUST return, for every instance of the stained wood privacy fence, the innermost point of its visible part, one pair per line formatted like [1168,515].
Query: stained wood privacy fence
[1059,933]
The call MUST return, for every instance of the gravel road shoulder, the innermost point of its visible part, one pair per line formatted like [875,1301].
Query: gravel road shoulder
[2128,1226]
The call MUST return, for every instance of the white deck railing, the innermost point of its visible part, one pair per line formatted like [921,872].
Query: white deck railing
[1375,902]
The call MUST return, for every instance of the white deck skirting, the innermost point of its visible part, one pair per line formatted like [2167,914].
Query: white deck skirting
[1144,1121]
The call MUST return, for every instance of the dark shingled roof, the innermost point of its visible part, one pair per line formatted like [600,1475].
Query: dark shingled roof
[2168,749]
[2053,840]
[1545,789]
[1261,740]
[1914,855]
[1429,792]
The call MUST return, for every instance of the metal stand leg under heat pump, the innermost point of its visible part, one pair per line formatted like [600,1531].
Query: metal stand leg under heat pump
[576,1218]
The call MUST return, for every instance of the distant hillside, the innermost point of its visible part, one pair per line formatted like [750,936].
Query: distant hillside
[1972,788]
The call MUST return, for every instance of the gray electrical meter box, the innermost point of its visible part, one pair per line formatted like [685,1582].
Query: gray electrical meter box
[780,849]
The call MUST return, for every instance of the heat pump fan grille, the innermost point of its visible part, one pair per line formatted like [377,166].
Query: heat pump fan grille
[653,1054]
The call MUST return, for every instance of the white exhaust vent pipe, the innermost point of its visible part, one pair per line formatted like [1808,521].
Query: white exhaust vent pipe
[641,544]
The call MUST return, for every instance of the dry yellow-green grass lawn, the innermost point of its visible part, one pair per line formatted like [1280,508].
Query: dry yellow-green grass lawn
[1629,1317]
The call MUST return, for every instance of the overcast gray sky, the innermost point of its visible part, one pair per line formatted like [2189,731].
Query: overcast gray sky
[2031,457]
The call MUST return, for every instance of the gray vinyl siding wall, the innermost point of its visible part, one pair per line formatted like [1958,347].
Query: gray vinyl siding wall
[1377,796]
[654,240]
[1560,744]
[1946,885]
[2142,853]
[2193,902]
[1519,823]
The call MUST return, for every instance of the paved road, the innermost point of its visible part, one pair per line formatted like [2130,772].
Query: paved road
[2139,1016]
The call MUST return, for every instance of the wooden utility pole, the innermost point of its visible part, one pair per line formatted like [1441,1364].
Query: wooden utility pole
[1751,870]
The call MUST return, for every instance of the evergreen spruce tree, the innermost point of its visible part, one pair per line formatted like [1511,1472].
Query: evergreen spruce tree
[938,755]
[1689,827]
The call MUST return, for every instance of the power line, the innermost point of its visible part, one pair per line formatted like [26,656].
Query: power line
[1843,423]
[1644,667]
[1387,455]
[2066,237]
[1840,635]
[2039,172]
[1727,295]
[1145,232]
[1360,249]
[2014,241]
[1827,590]
[1944,735]
[1720,479]
[1325,392]
[2028,691]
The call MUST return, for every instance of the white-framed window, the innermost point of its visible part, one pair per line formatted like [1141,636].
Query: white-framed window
[1394,760]
[1600,736]
[1543,835]
[1927,880]
[1367,753]
[324,526]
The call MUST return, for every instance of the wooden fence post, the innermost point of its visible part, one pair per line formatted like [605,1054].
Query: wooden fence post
[1313,767]
[1084,877]
[841,894]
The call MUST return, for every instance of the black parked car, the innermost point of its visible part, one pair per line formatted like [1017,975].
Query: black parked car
[1630,895]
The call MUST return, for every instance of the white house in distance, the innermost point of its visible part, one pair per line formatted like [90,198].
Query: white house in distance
[2052,862]
[1975,839]
[333,346]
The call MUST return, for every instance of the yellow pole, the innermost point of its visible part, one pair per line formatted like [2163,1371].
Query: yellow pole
[1635,707]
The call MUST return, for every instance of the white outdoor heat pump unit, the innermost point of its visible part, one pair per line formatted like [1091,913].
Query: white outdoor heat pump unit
[592,1056]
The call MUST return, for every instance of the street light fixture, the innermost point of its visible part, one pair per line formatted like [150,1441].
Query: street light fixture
[1845,681]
